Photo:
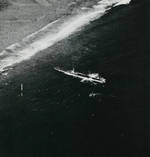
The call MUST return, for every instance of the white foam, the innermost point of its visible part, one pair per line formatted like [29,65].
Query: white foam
[123,2]
[53,33]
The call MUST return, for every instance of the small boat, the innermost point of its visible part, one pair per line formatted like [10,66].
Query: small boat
[92,77]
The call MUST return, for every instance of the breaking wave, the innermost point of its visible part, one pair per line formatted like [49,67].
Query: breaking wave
[53,33]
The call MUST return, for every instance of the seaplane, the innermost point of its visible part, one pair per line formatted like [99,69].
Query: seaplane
[94,78]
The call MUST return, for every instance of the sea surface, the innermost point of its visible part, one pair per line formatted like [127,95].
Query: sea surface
[54,32]
[44,113]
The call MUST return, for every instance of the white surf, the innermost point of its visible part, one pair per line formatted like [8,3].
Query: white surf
[53,33]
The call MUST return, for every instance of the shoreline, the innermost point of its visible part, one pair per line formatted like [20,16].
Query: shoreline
[57,116]
[52,33]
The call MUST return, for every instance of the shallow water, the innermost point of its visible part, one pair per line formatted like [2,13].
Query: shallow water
[53,33]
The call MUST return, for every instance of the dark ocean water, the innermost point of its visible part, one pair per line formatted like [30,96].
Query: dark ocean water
[56,117]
